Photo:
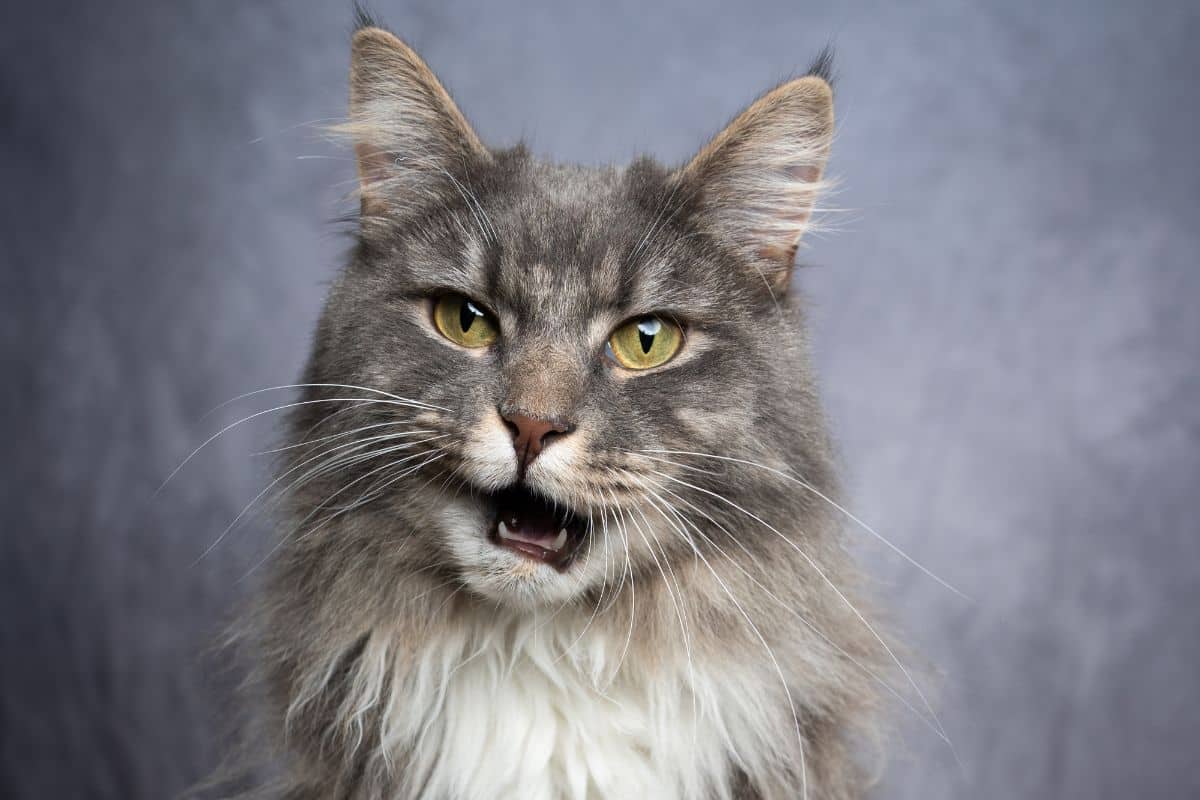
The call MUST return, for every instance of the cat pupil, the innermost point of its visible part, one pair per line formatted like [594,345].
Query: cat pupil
[466,315]
[647,330]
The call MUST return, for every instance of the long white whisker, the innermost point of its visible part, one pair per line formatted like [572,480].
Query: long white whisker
[608,533]
[775,661]
[370,390]
[284,539]
[244,420]
[346,459]
[816,568]
[809,487]
[679,612]
[599,598]
[342,435]
[632,592]
[337,463]
[821,634]
[376,490]
[485,223]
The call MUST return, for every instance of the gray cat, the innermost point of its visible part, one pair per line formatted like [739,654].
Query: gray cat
[560,523]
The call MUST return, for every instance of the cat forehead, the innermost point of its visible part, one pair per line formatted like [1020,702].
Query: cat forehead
[547,241]
[568,239]
[565,275]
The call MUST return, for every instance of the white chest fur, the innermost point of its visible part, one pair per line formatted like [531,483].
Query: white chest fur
[529,708]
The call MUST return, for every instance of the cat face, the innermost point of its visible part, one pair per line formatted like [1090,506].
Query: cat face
[544,347]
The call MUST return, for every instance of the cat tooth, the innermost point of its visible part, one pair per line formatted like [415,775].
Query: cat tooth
[560,541]
[502,530]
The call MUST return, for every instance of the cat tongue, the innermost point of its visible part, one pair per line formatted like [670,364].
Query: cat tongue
[537,526]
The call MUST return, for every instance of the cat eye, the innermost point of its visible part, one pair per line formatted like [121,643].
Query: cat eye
[645,342]
[463,321]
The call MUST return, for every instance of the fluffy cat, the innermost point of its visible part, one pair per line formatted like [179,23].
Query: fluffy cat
[558,521]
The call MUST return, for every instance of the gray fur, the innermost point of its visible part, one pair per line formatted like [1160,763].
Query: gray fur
[553,251]
[1008,361]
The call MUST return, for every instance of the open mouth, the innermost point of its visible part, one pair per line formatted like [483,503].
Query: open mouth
[535,527]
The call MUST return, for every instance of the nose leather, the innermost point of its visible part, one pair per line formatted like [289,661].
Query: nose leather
[530,435]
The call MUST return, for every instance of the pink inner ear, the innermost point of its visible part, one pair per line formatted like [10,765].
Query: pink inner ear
[781,246]
[780,241]
[373,166]
[373,163]
[782,254]
[803,174]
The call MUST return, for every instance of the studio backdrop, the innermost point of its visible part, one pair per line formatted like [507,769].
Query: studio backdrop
[1004,316]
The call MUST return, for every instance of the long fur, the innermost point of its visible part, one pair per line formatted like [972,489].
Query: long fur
[710,643]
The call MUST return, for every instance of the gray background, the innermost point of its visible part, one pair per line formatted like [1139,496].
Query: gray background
[1006,322]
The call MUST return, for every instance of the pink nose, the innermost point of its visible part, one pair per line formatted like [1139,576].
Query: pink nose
[530,435]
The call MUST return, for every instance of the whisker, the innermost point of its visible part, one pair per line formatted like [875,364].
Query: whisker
[809,487]
[375,490]
[342,435]
[816,568]
[632,594]
[599,598]
[319,123]
[331,416]
[368,389]
[350,460]
[679,613]
[821,634]
[254,416]
[337,463]
[485,223]
[775,662]
[621,582]
[283,540]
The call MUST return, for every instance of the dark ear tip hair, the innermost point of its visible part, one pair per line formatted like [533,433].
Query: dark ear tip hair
[822,66]
[362,17]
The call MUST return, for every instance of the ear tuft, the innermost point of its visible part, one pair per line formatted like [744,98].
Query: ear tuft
[409,136]
[362,17]
[757,181]
[822,66]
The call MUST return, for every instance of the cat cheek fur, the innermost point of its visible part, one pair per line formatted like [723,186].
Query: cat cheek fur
[708,642]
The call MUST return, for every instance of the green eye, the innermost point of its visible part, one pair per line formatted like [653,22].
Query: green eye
[645,342]
[463,321]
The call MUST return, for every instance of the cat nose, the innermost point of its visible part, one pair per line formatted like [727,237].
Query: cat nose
[530,434]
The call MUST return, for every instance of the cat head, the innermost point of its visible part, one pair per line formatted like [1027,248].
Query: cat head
[546,351]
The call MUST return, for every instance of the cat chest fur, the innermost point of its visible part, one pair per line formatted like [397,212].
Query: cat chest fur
[549,709]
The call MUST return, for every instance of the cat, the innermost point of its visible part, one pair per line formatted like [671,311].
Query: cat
[559,520]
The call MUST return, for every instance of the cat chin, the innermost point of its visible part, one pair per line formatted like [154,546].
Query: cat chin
[520,583]
[498,574]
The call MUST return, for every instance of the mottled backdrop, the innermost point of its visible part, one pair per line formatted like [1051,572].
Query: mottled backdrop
[1007,321]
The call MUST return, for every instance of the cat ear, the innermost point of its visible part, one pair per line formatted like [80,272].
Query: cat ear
[410,139]
[756,182]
